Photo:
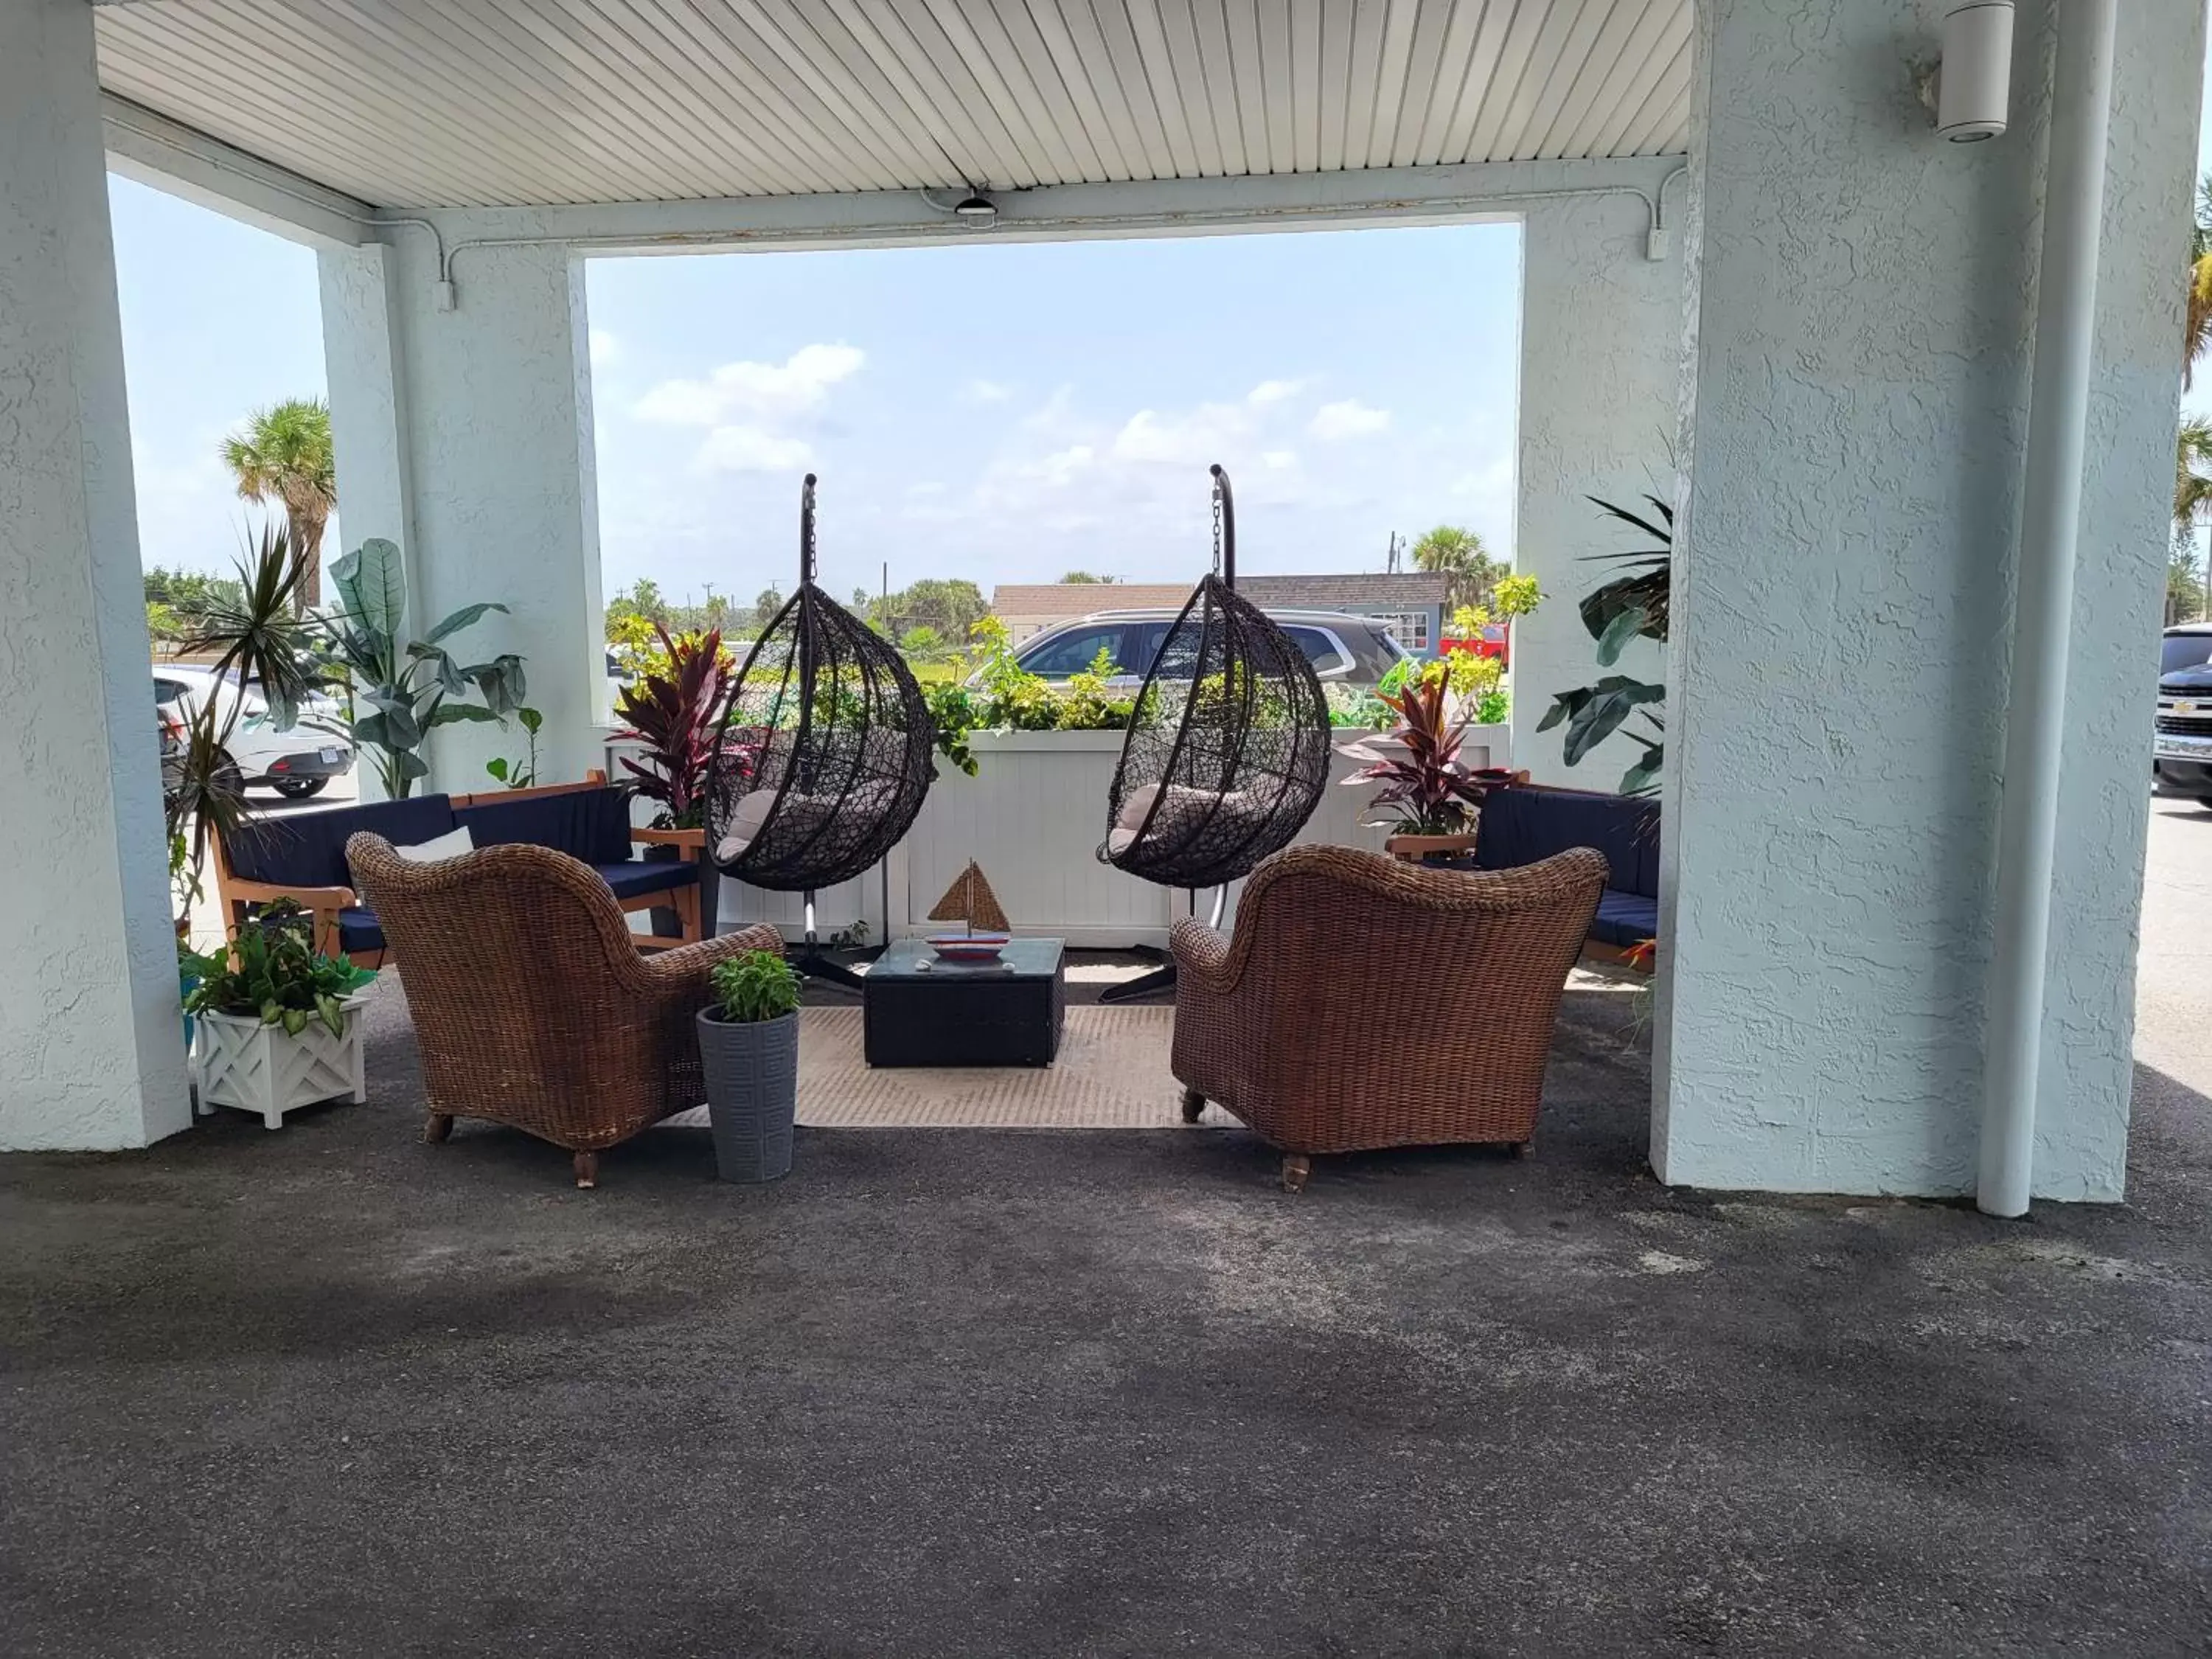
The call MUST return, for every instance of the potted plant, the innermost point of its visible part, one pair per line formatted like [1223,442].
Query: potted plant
[276,1024]
[674,712]
[1426,793]
[749,1049]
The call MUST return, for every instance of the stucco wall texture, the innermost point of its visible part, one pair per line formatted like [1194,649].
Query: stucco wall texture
[91,1051]
[468,434]
[1861,357]
[1601,378]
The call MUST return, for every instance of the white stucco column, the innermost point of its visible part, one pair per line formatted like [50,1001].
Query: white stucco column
[91,1043]
[1600,376]
[1842,603]
[465,436]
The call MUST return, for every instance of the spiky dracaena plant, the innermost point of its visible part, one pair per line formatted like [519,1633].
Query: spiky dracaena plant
[1425,789]
[259,640]
[677,713]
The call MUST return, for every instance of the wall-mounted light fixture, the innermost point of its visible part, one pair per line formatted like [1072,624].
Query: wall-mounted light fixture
[977,211]
[1974,95]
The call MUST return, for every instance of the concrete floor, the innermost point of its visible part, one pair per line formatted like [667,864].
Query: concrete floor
[330,1391]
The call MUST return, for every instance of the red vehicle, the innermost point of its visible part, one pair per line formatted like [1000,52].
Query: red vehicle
[1492,643]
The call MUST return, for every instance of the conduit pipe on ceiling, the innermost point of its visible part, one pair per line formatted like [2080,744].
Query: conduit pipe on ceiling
[2051,517]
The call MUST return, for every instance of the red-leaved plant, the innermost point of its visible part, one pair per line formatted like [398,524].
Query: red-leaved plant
[677,713]
[1426,791]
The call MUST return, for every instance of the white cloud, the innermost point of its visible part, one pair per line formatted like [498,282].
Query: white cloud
[606,348]
[1197,439]
[1280,460]
[986,392]
[1273,391]
[799,385]
[752,449]
[1348,419]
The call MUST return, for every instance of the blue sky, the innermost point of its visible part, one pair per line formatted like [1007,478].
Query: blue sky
[1006,412]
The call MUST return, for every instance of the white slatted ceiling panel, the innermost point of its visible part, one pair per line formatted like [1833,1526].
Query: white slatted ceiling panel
[428,103]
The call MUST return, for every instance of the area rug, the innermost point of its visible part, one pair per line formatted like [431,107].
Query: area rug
[1112,1073]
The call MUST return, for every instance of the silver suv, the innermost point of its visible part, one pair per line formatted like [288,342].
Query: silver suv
[1343,648]
[2181,748]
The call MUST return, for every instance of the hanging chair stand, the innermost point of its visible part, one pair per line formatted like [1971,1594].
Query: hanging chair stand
[1217,774]
[824,755]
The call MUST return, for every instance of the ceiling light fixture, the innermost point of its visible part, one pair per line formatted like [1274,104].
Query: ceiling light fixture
[977,211]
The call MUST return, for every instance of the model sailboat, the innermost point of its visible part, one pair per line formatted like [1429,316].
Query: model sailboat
[970,901]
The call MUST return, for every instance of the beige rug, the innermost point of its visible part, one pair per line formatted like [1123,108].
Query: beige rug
[1112,1073]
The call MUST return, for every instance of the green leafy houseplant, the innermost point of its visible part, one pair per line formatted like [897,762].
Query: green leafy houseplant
[1632,606]
[271,972]
[411,687]
[758,985]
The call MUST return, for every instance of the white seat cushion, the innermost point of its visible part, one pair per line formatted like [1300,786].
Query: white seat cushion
[450,845]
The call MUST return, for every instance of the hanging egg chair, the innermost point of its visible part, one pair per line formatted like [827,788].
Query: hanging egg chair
[1227,752]
[824,756]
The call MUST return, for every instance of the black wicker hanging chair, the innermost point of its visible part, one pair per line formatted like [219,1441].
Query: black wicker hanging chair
[1227,754]
[824,755]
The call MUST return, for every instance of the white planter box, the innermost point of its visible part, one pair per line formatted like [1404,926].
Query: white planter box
[266,1069]
[1033,817]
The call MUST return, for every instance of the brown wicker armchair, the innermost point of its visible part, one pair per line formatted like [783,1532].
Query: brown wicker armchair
[532,1004]
[1365,1003]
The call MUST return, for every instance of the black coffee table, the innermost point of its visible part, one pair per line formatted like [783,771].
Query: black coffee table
[917,1009]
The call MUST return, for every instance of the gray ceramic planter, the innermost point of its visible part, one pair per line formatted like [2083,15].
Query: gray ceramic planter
[752,1089]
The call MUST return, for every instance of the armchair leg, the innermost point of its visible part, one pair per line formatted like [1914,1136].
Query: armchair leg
[1521,1148]
[587,1169]
[1296,1166]
[437,1127]
[1194,1105]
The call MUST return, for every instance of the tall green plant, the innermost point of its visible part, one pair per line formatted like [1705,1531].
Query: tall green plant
[1633,605]
[411,688]
[255,638]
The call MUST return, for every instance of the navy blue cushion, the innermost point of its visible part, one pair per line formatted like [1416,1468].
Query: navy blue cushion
[1522,826]
[589,824]
[308,849]
[1626,918]
[359,930]
[635,876]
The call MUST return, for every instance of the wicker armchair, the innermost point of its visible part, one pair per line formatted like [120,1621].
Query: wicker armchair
[1365,1003]
[532,1004]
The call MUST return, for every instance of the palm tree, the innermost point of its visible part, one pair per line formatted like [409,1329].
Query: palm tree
[2197,329]
[2193,487]
[284,457]
[1460,555]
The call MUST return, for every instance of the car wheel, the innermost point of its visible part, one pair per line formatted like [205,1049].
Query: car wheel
[299,789]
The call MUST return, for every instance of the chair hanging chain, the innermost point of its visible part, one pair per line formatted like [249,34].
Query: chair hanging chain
[1217,529]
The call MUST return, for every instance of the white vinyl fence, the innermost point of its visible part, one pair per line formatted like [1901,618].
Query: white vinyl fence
[1033,816]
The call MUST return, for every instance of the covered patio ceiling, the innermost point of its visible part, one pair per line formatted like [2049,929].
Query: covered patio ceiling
[472,103]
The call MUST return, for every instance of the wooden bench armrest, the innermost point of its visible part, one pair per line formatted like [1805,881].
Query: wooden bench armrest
[307,898]
[695,839]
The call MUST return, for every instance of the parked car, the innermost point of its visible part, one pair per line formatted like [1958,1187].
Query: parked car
[1342,648]
[297,764]
[2181,745]
[1495,641]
